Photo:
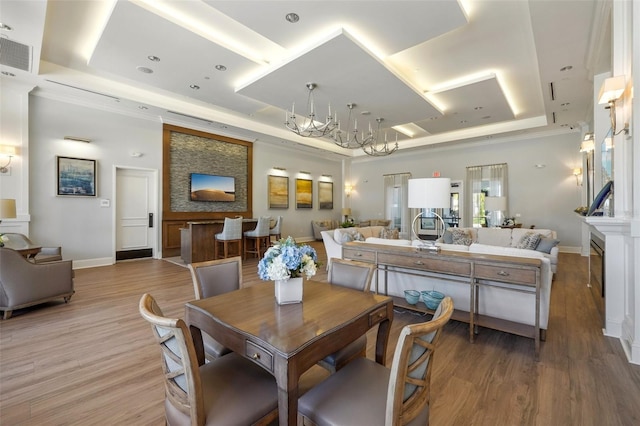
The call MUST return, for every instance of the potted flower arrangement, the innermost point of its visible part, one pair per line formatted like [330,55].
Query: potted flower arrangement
[285,263]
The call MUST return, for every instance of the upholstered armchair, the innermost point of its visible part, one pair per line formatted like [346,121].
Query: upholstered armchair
[23,283]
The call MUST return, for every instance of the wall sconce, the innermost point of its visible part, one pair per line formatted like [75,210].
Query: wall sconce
[348,188]
[577,172]
[304,172]
[77,139]
[282,169]
[6,151]
[610,92]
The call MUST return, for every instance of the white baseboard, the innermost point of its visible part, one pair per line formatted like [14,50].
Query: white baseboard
[92,263]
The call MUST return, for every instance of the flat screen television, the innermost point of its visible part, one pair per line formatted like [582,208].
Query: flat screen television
[205,187]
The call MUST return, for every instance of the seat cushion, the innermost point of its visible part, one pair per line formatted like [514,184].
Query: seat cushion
[235,391]
[356,395]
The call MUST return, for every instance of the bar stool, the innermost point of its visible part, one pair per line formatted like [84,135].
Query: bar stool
[231,234]
[259,238]
[276,230]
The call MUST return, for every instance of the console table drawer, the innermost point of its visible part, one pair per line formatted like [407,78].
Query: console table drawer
[259,355]
[507,274]
[361,255]
[425,264]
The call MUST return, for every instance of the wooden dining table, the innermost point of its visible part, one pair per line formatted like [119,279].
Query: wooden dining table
[287,340]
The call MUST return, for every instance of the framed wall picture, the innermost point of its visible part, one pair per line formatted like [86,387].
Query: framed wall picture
[278,192]
[304,193]
[76,177]
[325,195]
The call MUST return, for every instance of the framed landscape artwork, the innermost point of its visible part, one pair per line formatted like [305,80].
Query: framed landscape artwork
[278,192]
[76,177]
[325,195]
[304,194]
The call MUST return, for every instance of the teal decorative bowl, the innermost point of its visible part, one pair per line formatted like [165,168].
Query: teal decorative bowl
[412,296]
[432,299]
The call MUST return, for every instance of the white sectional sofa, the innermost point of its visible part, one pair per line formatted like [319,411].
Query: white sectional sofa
[495,301]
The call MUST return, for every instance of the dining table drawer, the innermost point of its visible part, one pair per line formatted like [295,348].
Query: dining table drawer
[506,274]
[259,355]
[377,316]
[357,254]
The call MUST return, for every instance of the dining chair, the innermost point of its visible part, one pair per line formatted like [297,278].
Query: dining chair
[231,234]
[211,278]
[358,276]
[259,238]
[228,390]
[367,393]
[276,231]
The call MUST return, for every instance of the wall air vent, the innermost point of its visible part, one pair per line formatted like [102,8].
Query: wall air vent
[191,116]
[15,55]
[84,90]
[552,91]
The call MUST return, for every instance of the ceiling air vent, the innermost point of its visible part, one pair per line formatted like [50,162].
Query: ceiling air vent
[15,55]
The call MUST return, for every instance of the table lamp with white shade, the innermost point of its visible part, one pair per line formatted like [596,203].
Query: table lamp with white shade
[346,212]
[495,204]
[428,193]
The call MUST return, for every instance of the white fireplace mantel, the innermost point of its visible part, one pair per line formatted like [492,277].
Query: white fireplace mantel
[620,321]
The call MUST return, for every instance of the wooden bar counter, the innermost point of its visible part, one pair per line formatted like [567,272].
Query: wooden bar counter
[197,239]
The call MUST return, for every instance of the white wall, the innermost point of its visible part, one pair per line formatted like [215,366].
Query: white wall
[80,225]
[296,223]
[543,197]
[84,229]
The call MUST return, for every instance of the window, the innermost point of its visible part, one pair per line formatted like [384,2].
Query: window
[485,181]
[395,202]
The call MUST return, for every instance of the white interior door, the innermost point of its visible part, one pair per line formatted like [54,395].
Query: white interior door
[135,213]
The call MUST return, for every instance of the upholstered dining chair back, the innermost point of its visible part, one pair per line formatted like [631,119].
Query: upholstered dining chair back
[358,276]
[231,230]
[179,365]
[211,278]
[351,273]
[228,390]
[276,231]
[409,389]
[367,393]
[261,229]
[214,277]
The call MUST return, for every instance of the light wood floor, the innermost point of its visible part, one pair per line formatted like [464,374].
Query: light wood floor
[94,360]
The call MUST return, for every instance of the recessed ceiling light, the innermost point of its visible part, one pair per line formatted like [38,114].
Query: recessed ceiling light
[566,68]
[365,113]
[143,107]
[463,121]
[221,68]
[153,58]
[478,108]
[5,27]
[292,17]
[540,166]
[195,87]
[565,104]
[145,70]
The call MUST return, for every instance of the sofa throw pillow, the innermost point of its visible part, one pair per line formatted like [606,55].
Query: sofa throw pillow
[358,237]
[389,234]
[345,237]
[546,244]
[460,237]
[447,237]
[529,241]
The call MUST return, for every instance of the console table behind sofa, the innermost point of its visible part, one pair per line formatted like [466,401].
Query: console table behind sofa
[510,273]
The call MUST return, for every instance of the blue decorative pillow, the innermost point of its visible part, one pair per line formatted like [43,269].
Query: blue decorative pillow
[529,241]
[345,237]
[546,244]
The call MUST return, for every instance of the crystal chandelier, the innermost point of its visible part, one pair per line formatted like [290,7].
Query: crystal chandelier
[307,126]
[377,148]
[349,138]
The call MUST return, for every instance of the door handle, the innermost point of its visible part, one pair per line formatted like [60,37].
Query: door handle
[150,220]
